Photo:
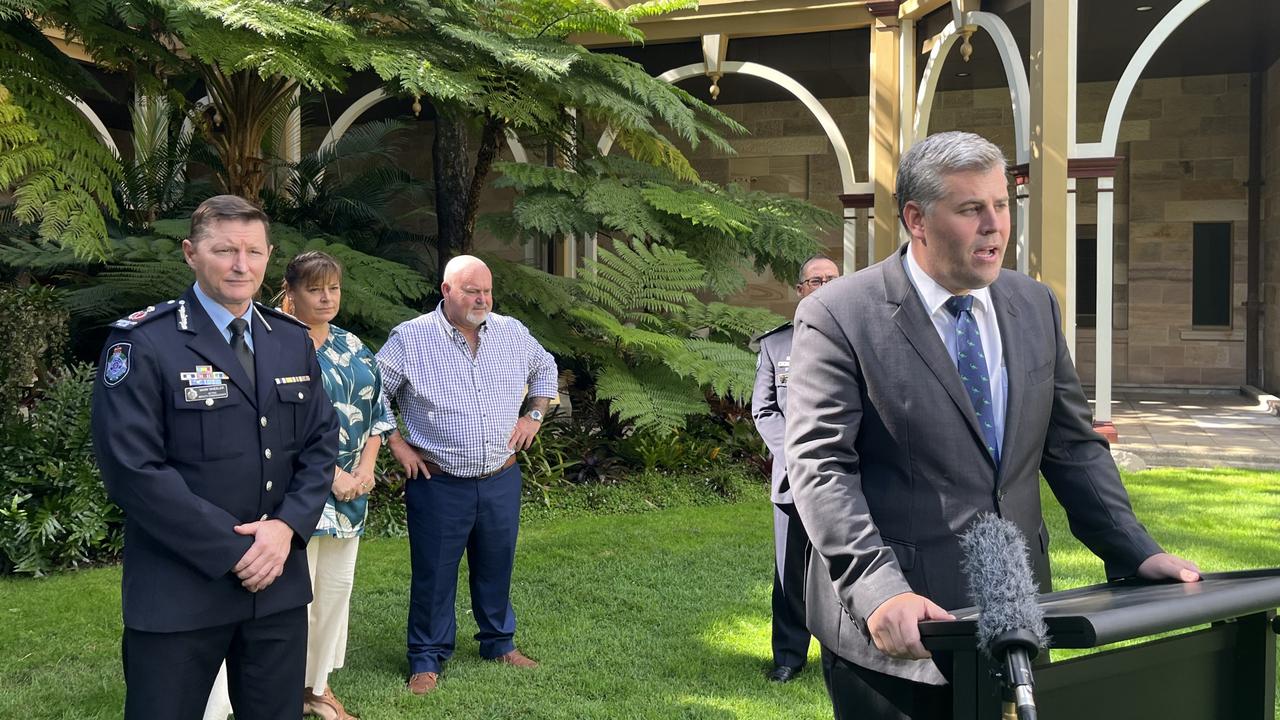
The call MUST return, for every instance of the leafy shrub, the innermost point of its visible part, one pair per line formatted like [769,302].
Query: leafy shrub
[642,491]
[54,511]
[635,334]
[35,315]
[387,517]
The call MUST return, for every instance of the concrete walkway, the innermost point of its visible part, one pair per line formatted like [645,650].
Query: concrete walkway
[1198,431]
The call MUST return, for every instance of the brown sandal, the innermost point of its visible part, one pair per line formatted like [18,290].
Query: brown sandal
[325,706]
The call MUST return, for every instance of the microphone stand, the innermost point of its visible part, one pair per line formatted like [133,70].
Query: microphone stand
[1014,650]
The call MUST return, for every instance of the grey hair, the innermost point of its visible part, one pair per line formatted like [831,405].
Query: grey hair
[922,172]
[809,261]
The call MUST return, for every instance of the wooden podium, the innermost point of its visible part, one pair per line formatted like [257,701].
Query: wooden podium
[1226,671]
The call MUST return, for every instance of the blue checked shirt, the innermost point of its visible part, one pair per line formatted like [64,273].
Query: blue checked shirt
[460,410]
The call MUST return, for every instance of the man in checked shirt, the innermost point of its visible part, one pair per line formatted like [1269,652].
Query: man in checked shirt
[458,375]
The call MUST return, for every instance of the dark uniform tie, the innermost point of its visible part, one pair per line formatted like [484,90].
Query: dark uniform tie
[971,361]
[241,348]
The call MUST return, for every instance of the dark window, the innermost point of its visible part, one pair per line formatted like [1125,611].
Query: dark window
[1086,275]
[1211,274]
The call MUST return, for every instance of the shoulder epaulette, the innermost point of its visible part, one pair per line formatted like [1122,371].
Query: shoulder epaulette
[146,314]
[778,329]
[278,313]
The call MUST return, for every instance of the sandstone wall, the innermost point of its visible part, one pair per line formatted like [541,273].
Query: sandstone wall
[1185,141]
[1271,232]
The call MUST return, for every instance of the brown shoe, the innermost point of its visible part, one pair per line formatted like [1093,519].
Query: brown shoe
[423,682]
[324,706]
[516,658]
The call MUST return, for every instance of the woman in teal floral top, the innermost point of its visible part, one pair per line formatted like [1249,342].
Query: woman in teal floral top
[313,292]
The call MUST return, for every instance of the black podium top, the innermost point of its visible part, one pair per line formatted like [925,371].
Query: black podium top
[1101,614]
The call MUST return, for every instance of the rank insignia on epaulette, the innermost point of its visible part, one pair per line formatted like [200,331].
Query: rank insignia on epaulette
[134,319]
[142,313]
[117,365]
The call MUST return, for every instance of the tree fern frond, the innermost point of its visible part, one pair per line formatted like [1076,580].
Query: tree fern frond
[637,282]
[732,321]
[700,208]
[552,214]
[527,176]
[622,208]
[552,293]
[650,397]
[728,370]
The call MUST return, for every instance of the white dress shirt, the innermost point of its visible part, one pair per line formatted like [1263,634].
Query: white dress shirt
[934,296]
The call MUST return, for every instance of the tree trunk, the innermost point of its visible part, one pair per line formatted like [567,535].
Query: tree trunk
[452,173]
[489,136]
[246,106]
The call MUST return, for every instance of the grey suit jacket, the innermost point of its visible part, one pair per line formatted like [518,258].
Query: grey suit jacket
[887,464]
[769,403]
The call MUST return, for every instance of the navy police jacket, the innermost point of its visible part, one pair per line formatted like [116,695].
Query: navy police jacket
[189,452]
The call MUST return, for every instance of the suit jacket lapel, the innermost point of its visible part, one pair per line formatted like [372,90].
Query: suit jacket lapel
[920,331]
[207,341]
[1013,338]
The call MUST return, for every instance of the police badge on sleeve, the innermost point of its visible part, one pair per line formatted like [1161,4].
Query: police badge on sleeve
[117,365]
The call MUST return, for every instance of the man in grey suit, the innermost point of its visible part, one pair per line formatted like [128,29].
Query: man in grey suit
[924,390]
[790,543]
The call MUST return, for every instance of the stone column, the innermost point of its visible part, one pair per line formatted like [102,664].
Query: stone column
[884,122]
[1023,200]
[907,84]
[569,255]
[849,257]
[858,208]
[532,256]
[1067,300]
[1104,325]
[1047,221]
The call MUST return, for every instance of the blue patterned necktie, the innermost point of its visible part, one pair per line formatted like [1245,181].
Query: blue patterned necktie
[971,361]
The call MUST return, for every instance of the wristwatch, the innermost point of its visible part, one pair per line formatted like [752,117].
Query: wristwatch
[535,415]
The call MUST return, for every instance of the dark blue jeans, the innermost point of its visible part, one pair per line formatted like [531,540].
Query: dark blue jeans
[449,515]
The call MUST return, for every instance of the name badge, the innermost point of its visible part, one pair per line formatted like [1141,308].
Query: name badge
[205,392]
[784,371]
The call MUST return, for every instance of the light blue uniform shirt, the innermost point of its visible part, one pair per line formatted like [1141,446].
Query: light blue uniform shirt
[222,317]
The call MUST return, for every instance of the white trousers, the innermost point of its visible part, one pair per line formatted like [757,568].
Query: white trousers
[332,562]
[333,571]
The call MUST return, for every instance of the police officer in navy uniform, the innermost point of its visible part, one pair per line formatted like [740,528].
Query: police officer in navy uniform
[768,408]
[214,434]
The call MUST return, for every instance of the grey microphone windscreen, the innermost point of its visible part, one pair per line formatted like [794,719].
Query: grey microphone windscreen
[1000,582]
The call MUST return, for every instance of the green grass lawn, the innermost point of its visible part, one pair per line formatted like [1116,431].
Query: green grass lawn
[656,615]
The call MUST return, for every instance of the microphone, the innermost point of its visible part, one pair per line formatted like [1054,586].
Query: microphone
[1011,627]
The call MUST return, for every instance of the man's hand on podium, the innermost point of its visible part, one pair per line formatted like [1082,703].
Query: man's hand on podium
[1163,566]
[895,625]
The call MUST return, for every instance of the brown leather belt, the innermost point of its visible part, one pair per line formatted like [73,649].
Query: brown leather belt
[435,469]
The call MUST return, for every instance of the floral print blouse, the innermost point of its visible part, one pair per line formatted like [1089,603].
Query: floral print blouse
[354,385]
